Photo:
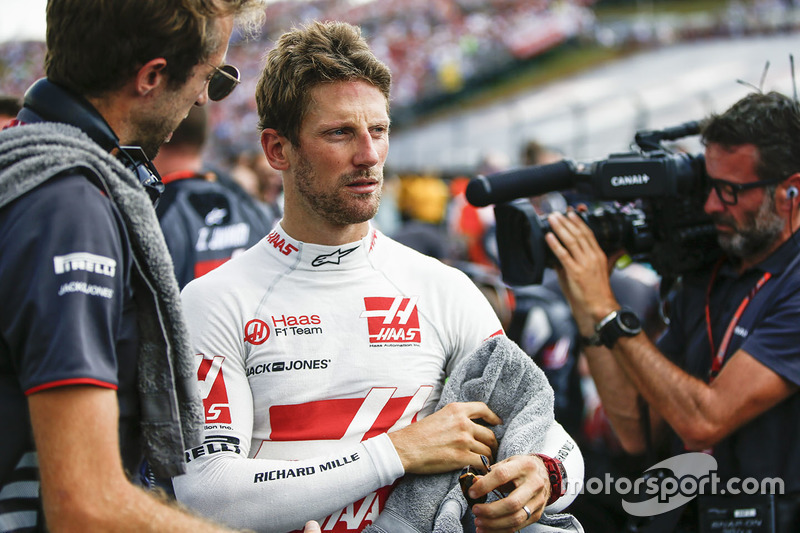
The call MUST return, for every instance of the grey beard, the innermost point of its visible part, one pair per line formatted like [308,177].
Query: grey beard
[760,236]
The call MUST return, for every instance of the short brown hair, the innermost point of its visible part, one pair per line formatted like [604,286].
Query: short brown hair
[96,46]
[320,52]
[769,121]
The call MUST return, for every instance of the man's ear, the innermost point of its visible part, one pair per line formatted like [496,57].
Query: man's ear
[791,187]
[150,76]
[275,147]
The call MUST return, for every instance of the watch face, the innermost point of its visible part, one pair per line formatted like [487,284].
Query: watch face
[629,322]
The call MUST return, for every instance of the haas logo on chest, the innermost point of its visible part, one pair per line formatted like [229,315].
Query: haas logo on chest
[392,320]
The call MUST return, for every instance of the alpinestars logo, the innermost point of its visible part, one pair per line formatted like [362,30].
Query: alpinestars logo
[213,391]
[333,258]
[392,320]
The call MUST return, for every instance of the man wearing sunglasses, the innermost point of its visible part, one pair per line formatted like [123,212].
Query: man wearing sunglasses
[724,378]
[94,366]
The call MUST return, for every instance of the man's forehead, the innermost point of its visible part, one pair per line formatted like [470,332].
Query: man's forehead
[732,161]
[347,100]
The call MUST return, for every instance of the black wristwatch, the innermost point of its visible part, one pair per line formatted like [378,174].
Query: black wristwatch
[616,324]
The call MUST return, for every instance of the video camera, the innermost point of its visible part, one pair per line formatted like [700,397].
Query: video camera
[654,211]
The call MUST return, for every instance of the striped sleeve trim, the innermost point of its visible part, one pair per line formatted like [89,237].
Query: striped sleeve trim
[72,381]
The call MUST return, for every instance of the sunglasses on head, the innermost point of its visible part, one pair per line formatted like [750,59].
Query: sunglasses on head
[222,82]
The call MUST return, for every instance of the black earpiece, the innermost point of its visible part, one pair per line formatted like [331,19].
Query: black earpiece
[138,162]
[791,192]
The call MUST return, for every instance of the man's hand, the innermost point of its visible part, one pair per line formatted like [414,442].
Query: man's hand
[311,527]
[447,440]
[525,479]
[584,271]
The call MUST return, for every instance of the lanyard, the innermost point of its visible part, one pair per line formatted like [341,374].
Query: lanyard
[716,362]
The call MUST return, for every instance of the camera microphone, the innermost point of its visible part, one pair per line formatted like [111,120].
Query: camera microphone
[508,185]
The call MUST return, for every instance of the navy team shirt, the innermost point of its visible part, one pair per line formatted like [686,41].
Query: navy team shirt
[769,330]
[66,318]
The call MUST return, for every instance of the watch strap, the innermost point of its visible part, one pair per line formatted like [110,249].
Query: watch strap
[557,475]
[596,339]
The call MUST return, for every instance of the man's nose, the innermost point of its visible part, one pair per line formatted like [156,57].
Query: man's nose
[367,154]
[713,203]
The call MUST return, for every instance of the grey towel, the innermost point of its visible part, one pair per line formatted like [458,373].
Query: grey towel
[501,375]
[171,411]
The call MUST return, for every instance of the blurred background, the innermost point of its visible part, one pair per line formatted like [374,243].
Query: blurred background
[475,80]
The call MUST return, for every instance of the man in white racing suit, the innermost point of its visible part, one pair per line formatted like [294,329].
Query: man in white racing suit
[323,350]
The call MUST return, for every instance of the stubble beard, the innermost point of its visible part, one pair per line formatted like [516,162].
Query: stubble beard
[155,127]
[152,134]
[331,205]
[760,233]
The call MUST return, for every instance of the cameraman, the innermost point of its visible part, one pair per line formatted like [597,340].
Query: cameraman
[734,394]
[89,299]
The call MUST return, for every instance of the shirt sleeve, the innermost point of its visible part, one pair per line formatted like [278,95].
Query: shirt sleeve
[559,445]
[63,247]
[225,483]
[774,340]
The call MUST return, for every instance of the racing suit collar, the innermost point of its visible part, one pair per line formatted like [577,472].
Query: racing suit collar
[319,257]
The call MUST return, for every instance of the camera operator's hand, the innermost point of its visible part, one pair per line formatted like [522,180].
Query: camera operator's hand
[584,271]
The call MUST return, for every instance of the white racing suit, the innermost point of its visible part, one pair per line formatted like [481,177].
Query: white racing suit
[307,356]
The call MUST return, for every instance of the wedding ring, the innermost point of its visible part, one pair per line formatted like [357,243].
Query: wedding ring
[527,512]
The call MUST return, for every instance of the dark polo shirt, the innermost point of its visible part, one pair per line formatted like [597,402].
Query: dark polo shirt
[769,330]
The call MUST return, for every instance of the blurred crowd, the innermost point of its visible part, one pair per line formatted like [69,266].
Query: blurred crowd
[433,48]
[437,48]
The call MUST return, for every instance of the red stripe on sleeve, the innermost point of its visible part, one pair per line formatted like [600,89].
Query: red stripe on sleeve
[67,382]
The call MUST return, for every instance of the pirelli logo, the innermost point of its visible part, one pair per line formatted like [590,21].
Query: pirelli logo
[85,261]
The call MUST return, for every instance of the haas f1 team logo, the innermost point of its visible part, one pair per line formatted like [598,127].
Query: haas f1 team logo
[212,390]
[392,320]
[256,332]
